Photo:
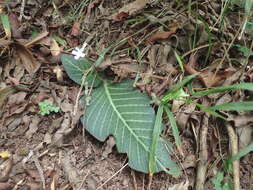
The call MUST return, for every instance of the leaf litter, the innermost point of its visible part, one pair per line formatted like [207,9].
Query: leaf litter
[30,50]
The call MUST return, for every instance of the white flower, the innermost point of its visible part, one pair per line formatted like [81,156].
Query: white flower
[79,52]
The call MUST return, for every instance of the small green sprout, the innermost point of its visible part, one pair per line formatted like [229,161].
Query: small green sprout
[46,107]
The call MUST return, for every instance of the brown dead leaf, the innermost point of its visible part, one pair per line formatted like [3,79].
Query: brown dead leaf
[161,35]
[110,143]
[7,167]
[15,25]
[90,7]
[33,173]
[181,186]
[27,59]
[121,16]
[75,30]
[5,186]
[241,120]
[34,185]
[55,48]
[4,93]
[4,43]
[131,8]
[5,154]
[39,37]
[33,126]
[65,129]
[59,74]
[245,135]
[127,70]
[208,78]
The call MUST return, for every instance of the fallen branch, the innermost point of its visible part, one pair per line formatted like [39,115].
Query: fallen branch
[233,141]
[203,156]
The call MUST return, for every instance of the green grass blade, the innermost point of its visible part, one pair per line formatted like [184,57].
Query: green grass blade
[102,56]
[206,109]
[236,106]
[177,87]
[155,138]
[174,127]
[245,86]
[242,153]
[183,82]
[179,60]
[6,25]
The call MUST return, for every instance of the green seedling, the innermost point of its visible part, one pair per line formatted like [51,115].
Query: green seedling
[46,107]
[220,183]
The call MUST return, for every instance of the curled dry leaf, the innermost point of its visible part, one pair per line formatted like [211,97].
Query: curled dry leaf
[75,30]
[4,43]
[5,186]
[5,154]
[39,37]
[15,25]
[208,78]
[27,59]
[245,136]
[121,16]
[161,35]
[130,8]
[181,186]
[55,48]
[4,175]
[241,120]
[59,74]
[4,93]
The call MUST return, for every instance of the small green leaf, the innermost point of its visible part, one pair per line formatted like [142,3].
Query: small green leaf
[59,40]
[125,113]
[246,51]
[236,106]
[76,69]
[218,181]
[46,107]
[244,86]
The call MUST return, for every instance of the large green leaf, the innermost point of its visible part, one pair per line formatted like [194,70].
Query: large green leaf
[125,113]
[76,69]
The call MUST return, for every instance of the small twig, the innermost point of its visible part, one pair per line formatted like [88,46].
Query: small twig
[22,10]
[80,187]
[203,156]
[233,141]
[40,170]
[201,47]
[112,176]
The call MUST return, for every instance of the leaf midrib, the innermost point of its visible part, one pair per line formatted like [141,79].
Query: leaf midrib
[122,119]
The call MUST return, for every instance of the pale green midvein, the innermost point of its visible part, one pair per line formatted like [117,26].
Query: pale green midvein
[73,65]
[121,118]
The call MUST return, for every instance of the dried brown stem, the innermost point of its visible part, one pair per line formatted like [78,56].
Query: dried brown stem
[203,156]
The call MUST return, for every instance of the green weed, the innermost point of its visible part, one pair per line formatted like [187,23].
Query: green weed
[46,107]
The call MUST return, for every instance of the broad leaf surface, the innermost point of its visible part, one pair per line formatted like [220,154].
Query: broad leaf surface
[76,69]
[118,110]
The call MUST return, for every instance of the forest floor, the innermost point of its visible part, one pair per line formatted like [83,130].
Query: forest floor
[158,43]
